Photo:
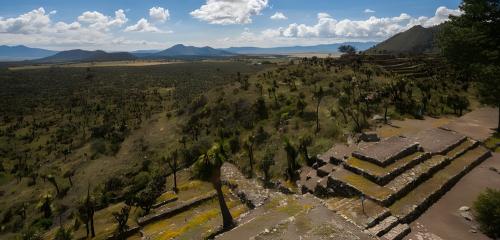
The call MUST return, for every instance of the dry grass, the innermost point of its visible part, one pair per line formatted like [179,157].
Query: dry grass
[137,63]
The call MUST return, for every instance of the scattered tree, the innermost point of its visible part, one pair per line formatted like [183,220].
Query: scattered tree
[121,219]
[249,149]
[208,168]
[347,49]
[172,162]
[266,164]
[46,206]
[291,156]
[318,95]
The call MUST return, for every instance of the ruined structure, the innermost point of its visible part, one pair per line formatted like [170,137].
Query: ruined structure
[386,185]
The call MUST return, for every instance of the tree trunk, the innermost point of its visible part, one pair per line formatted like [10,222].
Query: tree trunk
[227,219]
[385,114]
[498,127]
[250,155]
[87,228]
[317,117]
[92,230]
[175,181]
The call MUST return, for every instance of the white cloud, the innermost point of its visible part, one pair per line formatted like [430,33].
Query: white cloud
[278,16]
[327,30]
[371,28]
[225,12]
[159,14]
[91,30]
[368,11]
[99,21]
[34,21]
[143,26]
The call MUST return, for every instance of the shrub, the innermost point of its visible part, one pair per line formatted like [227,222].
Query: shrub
[487,208]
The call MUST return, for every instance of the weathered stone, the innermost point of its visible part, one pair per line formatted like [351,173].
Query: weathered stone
[438,141]
[369,137]
[398,232]
[387,151]
[337,154]
[464,208]
[326,169]
[384,226]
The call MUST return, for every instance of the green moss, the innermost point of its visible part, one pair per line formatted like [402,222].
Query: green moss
[378,171]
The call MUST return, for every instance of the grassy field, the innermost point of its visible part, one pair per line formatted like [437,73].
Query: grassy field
[135,63]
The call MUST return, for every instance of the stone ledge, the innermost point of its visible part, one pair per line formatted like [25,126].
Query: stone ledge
[387,151]
[171,211]
[383,175]
[422,197]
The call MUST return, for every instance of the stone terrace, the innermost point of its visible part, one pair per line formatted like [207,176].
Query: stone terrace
[390,183]
[387,151]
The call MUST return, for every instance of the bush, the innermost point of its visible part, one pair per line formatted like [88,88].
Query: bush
[487,208]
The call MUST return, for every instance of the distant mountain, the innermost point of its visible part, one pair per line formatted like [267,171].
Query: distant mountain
[79,55]
[143,53]
[19,53]
[323,48]
[416,40]
[180,50]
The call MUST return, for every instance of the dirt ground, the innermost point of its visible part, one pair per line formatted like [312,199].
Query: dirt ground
[412,126]
[443,219]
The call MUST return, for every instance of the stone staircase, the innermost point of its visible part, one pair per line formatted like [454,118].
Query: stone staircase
[398,178]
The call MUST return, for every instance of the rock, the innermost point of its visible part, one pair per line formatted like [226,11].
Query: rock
[369,137]
[467,215]
[464,209]
[266,230]
[473,231]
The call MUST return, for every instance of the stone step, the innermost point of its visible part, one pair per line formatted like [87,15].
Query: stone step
[326,169]
[384,226]
[382,175]
[364,215]
[420,198]
[387,151]
[397,233]
[347,183]
[310,184]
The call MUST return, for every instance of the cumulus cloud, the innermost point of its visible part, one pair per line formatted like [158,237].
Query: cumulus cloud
[159,14]
[371,28]
[143,26]
[34,21]
[225,12]
[99,21]
[89,30]
[369,11]
[278,16]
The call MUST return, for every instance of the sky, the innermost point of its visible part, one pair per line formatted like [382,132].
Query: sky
[118,25]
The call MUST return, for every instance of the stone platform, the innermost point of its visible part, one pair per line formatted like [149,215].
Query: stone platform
[398,178]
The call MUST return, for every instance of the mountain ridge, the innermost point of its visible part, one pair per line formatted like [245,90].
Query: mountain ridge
[79,55]
[416,40]
[21,52]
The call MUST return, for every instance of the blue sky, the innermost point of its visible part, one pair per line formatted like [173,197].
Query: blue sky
[131,24]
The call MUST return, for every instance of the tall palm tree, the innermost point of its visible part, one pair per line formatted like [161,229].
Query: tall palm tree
[208,168]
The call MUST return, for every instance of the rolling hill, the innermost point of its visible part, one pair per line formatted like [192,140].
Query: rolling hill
[180,50]
[79,55]
[416,40]
[322,48]
[21,52]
